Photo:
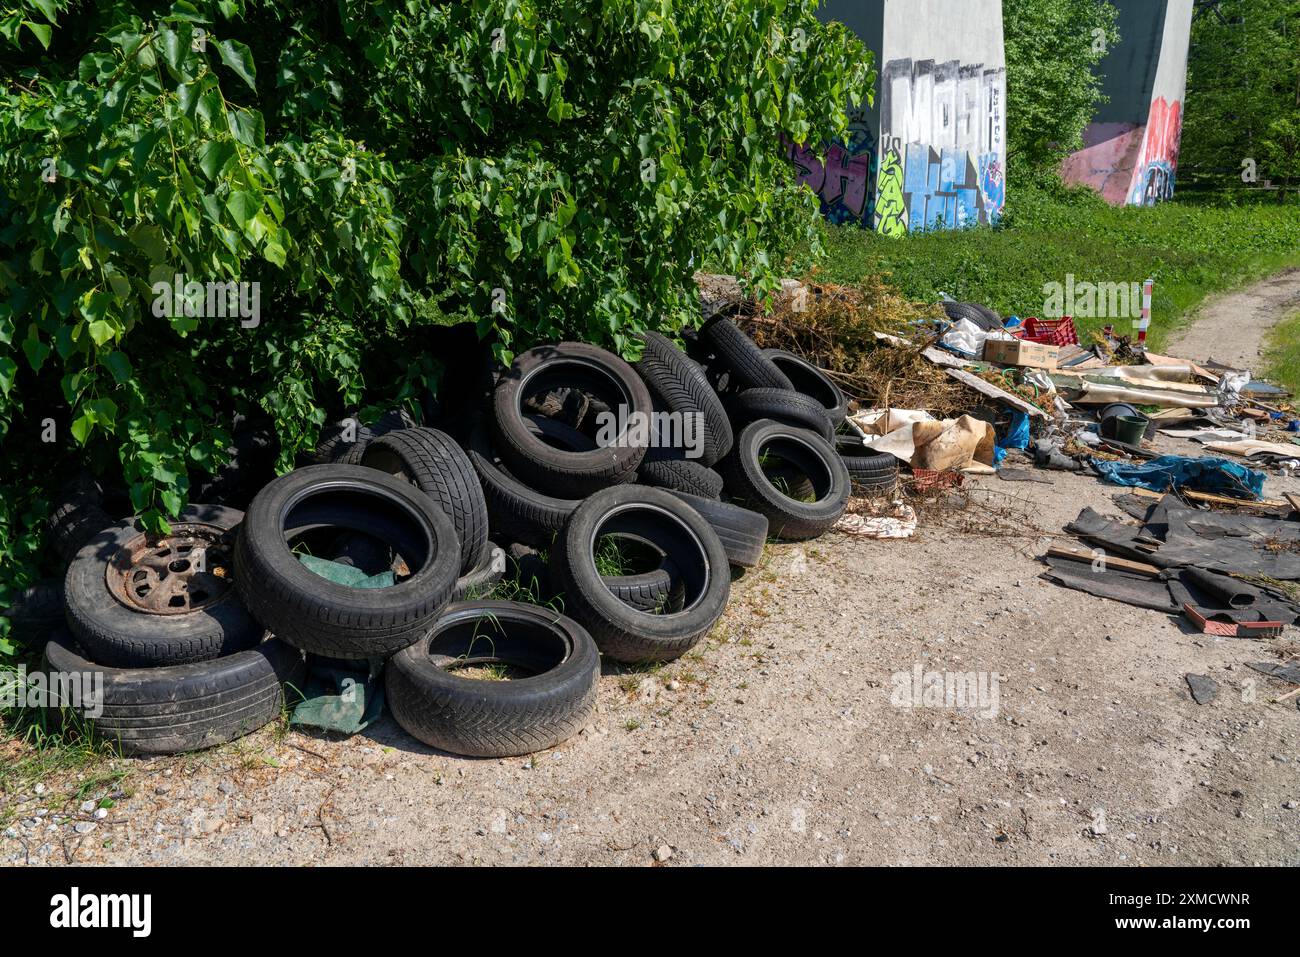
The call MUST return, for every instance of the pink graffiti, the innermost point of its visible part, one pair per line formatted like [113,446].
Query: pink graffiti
[1164,133]
[1157,165]
[843,177]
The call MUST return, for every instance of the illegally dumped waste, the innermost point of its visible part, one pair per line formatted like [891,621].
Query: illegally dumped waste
[1210,566]
[1177,472]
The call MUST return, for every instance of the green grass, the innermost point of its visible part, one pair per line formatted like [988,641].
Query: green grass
[1190,248]
[1282,355]
[37,753]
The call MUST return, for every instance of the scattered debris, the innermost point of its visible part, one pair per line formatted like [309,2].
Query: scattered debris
[1204,688]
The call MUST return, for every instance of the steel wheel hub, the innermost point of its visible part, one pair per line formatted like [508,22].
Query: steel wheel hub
[173,574]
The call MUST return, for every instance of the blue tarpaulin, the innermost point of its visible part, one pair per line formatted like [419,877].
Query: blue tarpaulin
[1174,472]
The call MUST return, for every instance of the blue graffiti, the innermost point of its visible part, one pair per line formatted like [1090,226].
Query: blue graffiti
[1154,185]
[941,189]
[993,186]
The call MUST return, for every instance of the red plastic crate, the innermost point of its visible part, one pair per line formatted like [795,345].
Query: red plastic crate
[1050,332]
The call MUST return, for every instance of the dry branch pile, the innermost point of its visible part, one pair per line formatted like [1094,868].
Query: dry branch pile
[835,327]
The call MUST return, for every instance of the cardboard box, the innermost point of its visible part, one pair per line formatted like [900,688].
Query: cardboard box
[1017,352]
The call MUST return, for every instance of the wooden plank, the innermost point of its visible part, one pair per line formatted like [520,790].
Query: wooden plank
[993,392]
[1080,554]
[1211,499]
[1293,499]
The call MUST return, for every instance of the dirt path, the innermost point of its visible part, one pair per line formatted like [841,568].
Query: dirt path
[790,736]
[1233,328]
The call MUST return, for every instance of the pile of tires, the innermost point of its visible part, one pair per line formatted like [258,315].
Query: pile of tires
[154,627]
[614,501]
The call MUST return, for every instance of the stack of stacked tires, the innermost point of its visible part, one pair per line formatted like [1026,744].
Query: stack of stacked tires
[618,498]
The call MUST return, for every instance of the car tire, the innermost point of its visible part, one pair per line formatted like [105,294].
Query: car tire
[178,708]
[574,365]
[982,316]
[335,448]
[742,531]
[780,405]
[681,387]
[77,516]
[495,719]
[872,474]
[135,600]
[478,582]
[659,517]
[813,382]
[36,611]
[812,455]
[434,463]
[516,513]
[327,618]
[679,474]
[745,362]
[652,591]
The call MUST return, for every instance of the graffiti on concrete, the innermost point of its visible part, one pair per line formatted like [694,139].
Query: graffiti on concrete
[944,127]
[891,204]
[845,179]
[1106,161]
[1157,165]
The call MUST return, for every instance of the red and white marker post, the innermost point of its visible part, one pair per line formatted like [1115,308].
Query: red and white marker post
[1144,323]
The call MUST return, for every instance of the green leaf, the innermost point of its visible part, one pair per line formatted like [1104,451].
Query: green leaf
[95,305]
[275,253]
[104,411]
[239,58]
[173,48]
[8,372]
[101,331]
[214,156]
[47,7]
[82,427]
[42,32]
[118,365]
[244,207]
[248,128]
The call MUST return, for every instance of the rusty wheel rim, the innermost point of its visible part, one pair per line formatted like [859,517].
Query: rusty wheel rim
[173,574]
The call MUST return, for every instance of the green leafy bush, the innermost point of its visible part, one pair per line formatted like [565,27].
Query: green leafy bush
[543,168]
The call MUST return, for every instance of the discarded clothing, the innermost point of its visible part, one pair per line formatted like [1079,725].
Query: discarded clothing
[1173,472]
[967,339]
[900,523]
[342,696]
[349,575]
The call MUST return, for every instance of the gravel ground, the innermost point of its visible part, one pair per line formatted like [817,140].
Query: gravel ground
[783,738]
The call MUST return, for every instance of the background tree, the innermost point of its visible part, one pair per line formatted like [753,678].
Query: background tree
[1052,92]
[1243,91]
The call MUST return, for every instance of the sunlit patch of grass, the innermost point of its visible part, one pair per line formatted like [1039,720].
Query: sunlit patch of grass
[1282,355]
